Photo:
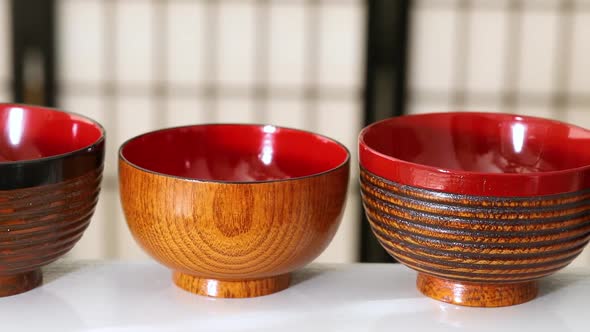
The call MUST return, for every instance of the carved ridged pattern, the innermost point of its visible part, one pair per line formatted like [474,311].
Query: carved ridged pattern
[40,224]
[476,238]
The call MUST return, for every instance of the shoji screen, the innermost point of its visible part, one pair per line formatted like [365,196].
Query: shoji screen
[138,65]
[5,53]
[525,56]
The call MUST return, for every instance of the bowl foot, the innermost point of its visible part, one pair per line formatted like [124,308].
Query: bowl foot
[231,288]
[20,283]
[475,294]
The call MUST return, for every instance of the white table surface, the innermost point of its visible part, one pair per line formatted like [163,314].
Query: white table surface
[139,296]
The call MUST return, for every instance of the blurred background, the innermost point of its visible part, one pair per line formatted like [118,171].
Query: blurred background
[330,66]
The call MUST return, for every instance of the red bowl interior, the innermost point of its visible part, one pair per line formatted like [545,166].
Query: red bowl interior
[30,132]
[234,153]
[461,151]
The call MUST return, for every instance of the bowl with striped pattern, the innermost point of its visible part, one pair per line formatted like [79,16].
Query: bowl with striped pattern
[481,205]
[51,166]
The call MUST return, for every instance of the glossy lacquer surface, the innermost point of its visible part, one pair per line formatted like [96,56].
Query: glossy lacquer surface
[29,132]
[482,226]
[268,201]
[479,153]
[50,174]
[42,146]
[234,153]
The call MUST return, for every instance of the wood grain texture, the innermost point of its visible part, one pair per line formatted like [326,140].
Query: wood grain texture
[229,288]
[40,224]
[20,283]
[233,233]
[476,294]
[477,241]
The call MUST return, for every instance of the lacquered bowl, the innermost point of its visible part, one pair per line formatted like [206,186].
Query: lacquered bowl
[50,173]
[481,205]
[233,209]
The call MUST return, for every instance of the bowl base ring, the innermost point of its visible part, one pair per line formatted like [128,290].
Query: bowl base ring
[20,283]
[231,288]
[476,294]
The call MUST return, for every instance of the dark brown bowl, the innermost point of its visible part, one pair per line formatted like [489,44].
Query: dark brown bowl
[50,172]
[481,205]
[233,209]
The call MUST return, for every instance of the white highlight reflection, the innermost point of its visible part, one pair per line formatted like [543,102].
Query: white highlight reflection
[518,131]
[212,287]
[269,129]
[15,125]
[267,145]
[267,152]
[75,131]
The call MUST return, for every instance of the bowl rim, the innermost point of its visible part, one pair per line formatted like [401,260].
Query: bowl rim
[61,155]
[344,163]
[448,171]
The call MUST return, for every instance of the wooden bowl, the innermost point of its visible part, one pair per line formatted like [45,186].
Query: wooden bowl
[233,209]
[481,205]
[50,173]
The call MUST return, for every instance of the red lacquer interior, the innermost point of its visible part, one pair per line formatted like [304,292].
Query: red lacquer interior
[479,153]
[482,142]
[234,153]
[29,132]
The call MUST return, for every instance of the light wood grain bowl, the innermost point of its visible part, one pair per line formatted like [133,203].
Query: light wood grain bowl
[477,237]
[50,173]
[233,209]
